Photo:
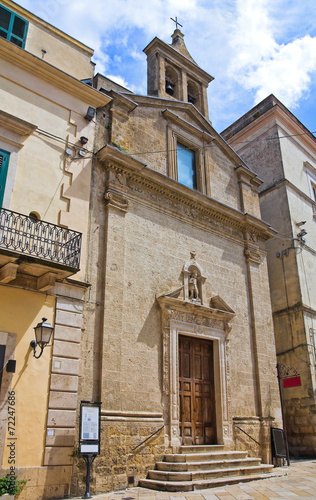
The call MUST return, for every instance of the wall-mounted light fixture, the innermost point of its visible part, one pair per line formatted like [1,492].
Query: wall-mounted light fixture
[43,332]
[83,140]
[90,113]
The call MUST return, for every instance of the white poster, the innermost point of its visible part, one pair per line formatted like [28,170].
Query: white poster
[90,422]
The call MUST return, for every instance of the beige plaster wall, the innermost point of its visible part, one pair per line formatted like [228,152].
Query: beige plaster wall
[294,154]
[301,210]
[62,51]
[55,185]
[24,310]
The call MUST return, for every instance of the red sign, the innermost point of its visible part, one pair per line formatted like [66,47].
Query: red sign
[292,382]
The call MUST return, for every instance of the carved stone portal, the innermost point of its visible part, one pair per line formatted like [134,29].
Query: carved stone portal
[186,311]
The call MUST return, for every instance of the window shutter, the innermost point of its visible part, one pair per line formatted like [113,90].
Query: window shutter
[4,162]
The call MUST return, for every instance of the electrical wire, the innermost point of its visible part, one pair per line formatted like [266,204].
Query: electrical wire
[139,153]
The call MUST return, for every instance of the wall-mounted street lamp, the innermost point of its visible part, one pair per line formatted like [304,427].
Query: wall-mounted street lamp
[43,332]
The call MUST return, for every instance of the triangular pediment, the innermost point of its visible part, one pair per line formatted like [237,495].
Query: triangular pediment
[218,303]
[189,114]
[177,293]
[217,308]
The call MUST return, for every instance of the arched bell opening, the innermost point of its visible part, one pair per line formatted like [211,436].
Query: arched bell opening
[193,94]
[171,82]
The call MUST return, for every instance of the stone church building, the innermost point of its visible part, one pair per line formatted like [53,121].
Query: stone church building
[178,342]
[131,227]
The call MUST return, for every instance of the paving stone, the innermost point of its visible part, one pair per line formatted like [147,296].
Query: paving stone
[298,482]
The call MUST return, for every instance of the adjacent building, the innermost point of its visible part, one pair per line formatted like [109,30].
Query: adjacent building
[45,171]
[282,151]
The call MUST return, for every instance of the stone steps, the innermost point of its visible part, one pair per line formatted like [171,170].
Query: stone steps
[206,457]
[201,485]
[198,467]
[207,474]
[216,464]
[200,448]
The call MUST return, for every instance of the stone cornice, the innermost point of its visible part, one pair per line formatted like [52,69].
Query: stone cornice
[285,182]
[294,309]
[276,115]
[173,117]
[247,176]
[164,187]
[196,309]
[16,125]
[122,101]
[45,71]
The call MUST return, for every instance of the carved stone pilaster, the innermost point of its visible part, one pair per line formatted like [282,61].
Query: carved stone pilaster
[253,254]
[115,191]
[116,200]
[252,250]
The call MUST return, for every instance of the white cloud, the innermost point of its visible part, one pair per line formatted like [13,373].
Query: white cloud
[288,74]
[251,47]
[118,79]
[264,66]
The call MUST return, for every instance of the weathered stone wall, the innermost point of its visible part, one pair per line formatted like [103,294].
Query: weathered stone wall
[143,133]
[119,465]
[265,158]
[300,414]
[143,228]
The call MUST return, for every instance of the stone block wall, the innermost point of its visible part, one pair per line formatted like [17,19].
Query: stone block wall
[300,415]
[119,464]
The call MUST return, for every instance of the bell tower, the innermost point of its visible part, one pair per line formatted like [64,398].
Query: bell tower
[173,74]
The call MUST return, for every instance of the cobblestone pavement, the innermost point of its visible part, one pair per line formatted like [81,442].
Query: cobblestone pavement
[298,481]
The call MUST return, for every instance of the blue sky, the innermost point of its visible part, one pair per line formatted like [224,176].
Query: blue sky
[251,47]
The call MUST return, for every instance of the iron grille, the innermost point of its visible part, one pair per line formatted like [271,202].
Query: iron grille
[20,233]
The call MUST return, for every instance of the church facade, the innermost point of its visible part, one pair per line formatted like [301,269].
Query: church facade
[178,343]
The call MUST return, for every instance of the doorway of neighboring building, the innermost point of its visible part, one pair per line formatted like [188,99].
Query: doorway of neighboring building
[196,391]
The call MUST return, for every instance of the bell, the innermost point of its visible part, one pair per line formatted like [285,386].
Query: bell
[169,88]
[191,99]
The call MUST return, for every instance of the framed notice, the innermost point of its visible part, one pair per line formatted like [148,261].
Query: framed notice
[89,438]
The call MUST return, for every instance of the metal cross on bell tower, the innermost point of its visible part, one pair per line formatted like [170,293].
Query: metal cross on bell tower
[176,21]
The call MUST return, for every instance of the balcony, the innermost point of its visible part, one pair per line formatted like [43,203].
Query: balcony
[37,249]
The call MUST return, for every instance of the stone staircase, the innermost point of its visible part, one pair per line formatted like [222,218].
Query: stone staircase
[200,467]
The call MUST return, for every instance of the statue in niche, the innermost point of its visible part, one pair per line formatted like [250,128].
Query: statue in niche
[193,286]
[194,281]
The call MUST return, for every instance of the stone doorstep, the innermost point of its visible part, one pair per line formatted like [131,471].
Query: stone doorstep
[200,448]
[216,464]
[203,484]
[211,455]
[208,474]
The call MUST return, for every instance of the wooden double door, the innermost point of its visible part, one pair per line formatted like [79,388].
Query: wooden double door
[196,391]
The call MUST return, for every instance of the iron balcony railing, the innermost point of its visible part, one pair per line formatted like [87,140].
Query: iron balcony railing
[40,239]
